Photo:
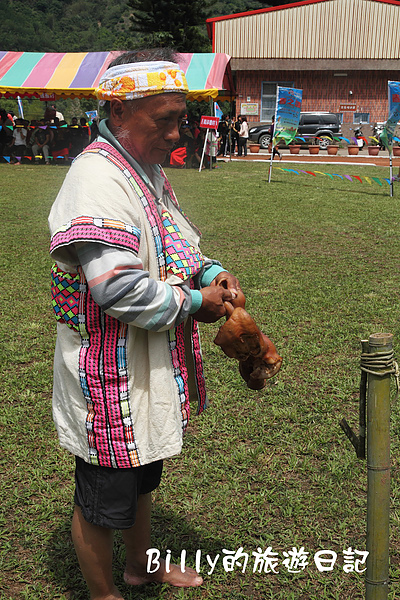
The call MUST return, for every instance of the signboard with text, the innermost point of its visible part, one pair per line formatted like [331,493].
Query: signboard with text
[45,96]
[347,108]
[249,108]
[209,122]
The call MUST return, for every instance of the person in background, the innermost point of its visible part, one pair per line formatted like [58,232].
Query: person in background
[85,132]
[211,148]
[61,141]
[41,140]
[75,137]
[223,130]
[51,113]
[6,133]
[235,128]
[127,359]
[271,131]
[94,129]
[18,146]
[31,126]
[243,137]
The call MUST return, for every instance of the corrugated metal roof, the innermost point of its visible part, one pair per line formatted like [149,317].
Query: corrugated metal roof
[313,29]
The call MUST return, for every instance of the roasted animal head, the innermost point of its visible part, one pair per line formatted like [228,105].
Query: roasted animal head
[240,338]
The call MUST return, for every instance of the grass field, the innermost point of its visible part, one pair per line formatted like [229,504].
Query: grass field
[318,260]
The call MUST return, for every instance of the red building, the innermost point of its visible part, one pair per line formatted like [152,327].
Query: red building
[341,53]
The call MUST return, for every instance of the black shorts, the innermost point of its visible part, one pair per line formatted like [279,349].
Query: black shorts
[108,497]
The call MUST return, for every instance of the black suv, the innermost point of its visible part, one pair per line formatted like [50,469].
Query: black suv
[323,125]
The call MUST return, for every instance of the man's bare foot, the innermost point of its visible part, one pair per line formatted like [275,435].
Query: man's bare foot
[115,595]
[175,577]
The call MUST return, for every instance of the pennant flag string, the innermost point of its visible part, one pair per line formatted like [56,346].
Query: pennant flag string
[350,178]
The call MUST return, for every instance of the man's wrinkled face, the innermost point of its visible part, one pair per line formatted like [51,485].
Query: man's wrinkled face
[150,132]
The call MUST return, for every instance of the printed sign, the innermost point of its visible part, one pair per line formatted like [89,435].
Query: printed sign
[287,113]
[347,107]
[45,96]
[209,122]
[249,108]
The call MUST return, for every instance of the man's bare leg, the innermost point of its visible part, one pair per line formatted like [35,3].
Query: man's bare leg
[137,540]
[94,549]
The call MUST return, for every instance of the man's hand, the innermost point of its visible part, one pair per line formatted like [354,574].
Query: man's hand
[227,281]
[231,283]
[212,307]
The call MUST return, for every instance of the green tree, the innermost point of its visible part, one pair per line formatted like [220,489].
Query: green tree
[64,25]
[176,23]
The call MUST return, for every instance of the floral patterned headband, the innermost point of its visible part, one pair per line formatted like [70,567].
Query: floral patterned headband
[137,80]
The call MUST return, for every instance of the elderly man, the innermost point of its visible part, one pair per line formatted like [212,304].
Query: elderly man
[129,285]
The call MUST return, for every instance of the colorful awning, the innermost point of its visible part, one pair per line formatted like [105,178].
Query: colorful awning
[76,74]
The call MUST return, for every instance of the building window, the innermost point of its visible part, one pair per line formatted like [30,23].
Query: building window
[340,115]
[359,118]
[268,97]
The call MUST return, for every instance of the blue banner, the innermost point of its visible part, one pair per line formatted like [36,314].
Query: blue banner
[287,114]
[394,115]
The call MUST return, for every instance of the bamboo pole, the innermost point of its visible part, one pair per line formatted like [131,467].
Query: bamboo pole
[362,408]
[378,465]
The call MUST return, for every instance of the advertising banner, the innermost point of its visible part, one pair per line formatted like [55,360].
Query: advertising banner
[394,115]
[287,114]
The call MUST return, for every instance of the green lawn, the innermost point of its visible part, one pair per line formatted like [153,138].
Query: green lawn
[318,261]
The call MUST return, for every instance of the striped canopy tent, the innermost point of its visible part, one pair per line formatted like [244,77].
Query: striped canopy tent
[50,75]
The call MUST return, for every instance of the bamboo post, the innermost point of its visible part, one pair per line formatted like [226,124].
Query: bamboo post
[378,465]
[362,408]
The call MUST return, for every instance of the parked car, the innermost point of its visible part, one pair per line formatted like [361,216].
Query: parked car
[323,125]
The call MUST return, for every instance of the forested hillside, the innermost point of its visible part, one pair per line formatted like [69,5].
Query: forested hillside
[95,25]
[63,25]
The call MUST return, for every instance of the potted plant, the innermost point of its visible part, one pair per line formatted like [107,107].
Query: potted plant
[313,148]
[373,147]
[294,147]
[352,149]
[253,147]
[396,149]
[332,147]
